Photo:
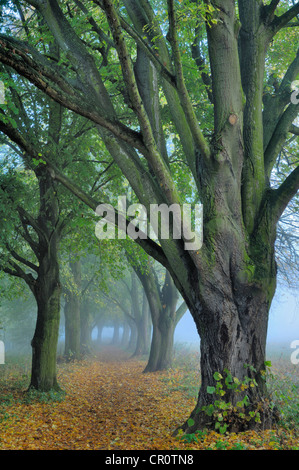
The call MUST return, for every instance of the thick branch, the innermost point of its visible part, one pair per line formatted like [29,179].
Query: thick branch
[22,260]
[152,154]
[280,21]
[199,139]
[294,129]
[275,105]
[200,62]
[50,82]
[149,246]
[279,136]
[283,195]
[17,271]
[142,15]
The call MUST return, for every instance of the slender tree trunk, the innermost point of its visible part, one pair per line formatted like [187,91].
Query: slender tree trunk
[72,326]
[126,335]
[115,336]
[141,343]
[47,292]
[45,339]
[86,328]
[72,314]
[163,313]
[133,337]
[100,326]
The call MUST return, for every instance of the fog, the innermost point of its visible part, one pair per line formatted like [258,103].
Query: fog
[283,324]
[283,327]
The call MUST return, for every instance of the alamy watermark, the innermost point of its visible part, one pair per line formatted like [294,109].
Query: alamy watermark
[295,354]
[295,93]
[162,222]
[2,353]
[2,93]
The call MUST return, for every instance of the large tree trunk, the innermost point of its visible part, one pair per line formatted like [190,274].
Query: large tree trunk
[233,335]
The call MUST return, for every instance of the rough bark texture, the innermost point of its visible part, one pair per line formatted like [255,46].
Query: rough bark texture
[47,292]
[228,285]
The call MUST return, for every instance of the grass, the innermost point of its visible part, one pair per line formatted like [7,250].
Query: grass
[178,389]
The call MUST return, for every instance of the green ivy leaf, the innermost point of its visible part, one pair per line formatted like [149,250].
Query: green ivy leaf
[217,376]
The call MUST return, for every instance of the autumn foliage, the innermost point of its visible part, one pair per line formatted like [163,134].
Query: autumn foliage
[108,403]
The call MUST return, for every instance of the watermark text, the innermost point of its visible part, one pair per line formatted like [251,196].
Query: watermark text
[2,353]
[295,93]
[295,354]
[2,93]
[163,222]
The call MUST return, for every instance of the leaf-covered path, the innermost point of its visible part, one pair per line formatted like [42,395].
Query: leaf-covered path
[110,404]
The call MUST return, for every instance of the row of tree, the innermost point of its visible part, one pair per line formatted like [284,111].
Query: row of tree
[184,103]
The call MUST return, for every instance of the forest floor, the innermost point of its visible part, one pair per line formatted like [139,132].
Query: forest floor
[110,404]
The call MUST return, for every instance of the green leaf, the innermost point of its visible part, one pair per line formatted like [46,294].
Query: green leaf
[190,422]
[211,390]
[217,376]
[223,429]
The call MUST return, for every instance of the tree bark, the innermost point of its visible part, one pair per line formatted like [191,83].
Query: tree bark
[233,342]
[47,292]
[164,319]
[86,321]
[72,313]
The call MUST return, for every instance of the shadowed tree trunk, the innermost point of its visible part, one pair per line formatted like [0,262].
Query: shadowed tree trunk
[47,291]
[140,314]
[164,315]
[72,312]
[126,335]
[86,326]
[44,243]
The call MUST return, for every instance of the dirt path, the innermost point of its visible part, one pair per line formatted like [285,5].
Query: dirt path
[110,404]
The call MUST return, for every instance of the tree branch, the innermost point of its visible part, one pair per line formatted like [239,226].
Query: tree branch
[149,246]
[280,21]
[274,105]
[271,9]
[49,80]
[142,15]
[294,129]
[17,271]
[22,260]
[152,154]
[283,195]
[279,136]
[199,139]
